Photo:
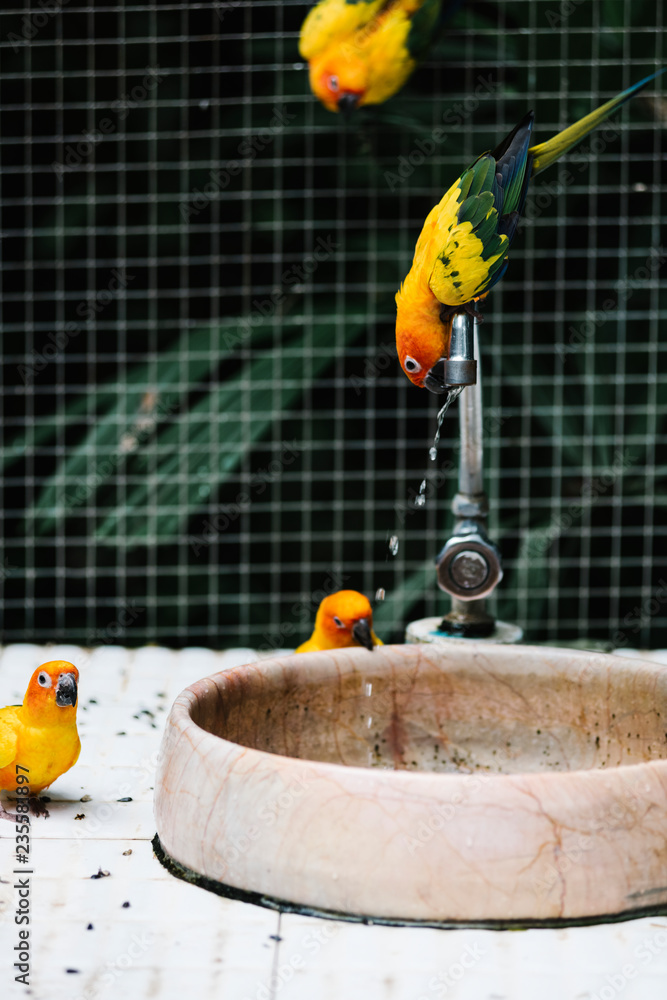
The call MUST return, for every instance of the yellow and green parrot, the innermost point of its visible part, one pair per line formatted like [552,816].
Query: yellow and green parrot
[363,51]
[462,250]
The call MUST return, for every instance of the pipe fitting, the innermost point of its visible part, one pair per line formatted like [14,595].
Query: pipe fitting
[469,565]
[460,366]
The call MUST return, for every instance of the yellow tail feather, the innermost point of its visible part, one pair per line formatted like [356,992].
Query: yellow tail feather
[548,152]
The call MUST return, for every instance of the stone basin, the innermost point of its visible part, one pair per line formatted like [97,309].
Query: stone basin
[460,782]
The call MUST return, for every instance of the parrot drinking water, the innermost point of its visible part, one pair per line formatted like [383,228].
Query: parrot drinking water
[343,619]
[363,51]
[462,250]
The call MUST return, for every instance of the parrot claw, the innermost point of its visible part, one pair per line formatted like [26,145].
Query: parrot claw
[469,308]
[38,806]
[447,312]
[7,815]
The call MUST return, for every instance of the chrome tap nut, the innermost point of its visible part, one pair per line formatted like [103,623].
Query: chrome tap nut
[469,566]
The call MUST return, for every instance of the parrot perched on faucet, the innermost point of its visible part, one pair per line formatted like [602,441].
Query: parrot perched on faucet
[462,250]
[39,740]
[363,51]
[343,619]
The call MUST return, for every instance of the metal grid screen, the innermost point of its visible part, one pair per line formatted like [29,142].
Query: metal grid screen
[206,428]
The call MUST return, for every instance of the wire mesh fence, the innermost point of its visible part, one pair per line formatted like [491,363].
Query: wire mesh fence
[205,424]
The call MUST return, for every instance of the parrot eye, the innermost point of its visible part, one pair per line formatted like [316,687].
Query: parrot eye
[333,83]
[44,680]
[411,365]
[338,622]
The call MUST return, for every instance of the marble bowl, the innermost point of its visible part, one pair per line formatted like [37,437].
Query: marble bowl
[466,782]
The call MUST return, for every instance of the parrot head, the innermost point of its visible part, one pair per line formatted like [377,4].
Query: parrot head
[338,79]
[52,693]
[422,339]
[346,619]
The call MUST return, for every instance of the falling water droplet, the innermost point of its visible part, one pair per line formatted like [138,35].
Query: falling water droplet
[433,453]
[379,594]
[420,499]
[393,545]
[369,688]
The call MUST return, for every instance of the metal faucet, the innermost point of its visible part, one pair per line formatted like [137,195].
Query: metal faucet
[469,565]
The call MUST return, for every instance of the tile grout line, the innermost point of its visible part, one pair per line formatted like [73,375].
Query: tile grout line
[273,984]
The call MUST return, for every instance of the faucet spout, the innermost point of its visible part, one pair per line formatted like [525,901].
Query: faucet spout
[461,366]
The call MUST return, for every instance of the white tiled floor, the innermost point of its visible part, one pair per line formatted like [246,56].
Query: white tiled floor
[175,940]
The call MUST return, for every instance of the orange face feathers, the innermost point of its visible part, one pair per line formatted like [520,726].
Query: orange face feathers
[339,83]
[421,336]
[343,619]
[52,692]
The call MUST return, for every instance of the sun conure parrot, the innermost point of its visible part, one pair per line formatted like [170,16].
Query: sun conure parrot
[363,51]
[41,735]
[462,250]
[343,619]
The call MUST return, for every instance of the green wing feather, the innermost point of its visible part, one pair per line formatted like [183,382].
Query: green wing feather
[478,204]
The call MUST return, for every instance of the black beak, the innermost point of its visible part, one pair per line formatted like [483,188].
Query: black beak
[434,381]
[347,103]
[361,631]
[66,691]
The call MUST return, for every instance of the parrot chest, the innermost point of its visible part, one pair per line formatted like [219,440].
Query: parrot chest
[47,752]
